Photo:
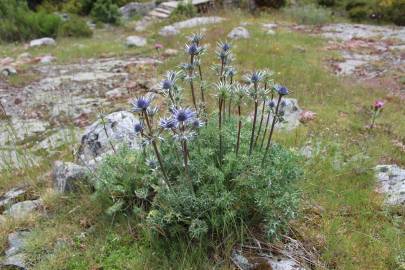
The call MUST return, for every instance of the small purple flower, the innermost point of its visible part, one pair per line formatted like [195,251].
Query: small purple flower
[192,49]
[282,90]
[272,104]
[168,123]
[141,103]
[225,47]
[138,127]
[182,115]
[167,84]
[197,123]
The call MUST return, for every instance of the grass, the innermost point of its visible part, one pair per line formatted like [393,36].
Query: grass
[342,215]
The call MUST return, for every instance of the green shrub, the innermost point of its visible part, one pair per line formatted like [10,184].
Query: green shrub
[395,12]
[19,23]
[105,11]
[271,3]
[183,11]
[309,14]
[75,27]
[328,3]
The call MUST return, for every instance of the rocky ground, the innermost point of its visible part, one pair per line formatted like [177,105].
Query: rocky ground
[64,101]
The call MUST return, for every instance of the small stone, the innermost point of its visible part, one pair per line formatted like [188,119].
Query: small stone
[46,59]
[21,209]
[8,71]
[66,175]
[42,42]
[11,196]
[169,31]
[135,41]
[16,242]
[15,262]
[391,179]
[239,33]
[307,116]
[240,261]
[170,52]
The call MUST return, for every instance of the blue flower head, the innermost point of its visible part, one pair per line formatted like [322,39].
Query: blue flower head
[138,127]
[192,49]
[272,104]
[183,115]
[168,123]
[141,103]
[167,84]
[197,123]
[225,47]
[282,90]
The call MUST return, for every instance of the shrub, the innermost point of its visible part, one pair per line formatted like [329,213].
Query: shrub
[184,10]
[395,12]
[328,3]
[309,14]
[271,3]
[105,11]
[75,27]
[19,23]
[205,175]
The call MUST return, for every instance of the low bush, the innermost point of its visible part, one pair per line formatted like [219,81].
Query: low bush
[105,11]
[183,11]
[205,175]
[309,14]
[271,3]
[19,23]
[75,27]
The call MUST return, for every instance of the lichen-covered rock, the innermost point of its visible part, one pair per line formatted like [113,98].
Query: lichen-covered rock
[42,42]
[169,31]
[8,71]
[391,180]
[135,41]
[136,8]
[239,33]
[15,257]
[11,196]
[21,210]
[106,135]
[66,175]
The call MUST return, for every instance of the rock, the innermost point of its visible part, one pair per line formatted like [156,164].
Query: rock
[16,242]
[117,93]
[135,41]
[95,142]
[12,158]
[15,262]
[61,136]
[284,263]
[6,61]
[291,115]
[240,261]
[391,180]
[24,57]
[270,26]
[21,209]
[42,42]
[8,71]
[197,21]
[22,129]
[11,196]
[271,32]
[170,52]
[239,33]
[66,175]
[46,59]
[307,116]
[169,31]
[136,8]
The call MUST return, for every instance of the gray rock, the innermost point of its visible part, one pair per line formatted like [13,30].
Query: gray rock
[8,71]
[197,21]
[20,129]
[60,137]
[15,262]
[66,175]
[16,242]
[117,93]
[11,196]
[136,8]
[135,41]
[239,33]
[99,140]
[169,31]
[391,180]
[240,261]
[21,209]
[284,263]
[46,59]
[42,42]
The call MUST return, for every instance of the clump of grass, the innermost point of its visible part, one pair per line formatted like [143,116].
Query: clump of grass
[308,14]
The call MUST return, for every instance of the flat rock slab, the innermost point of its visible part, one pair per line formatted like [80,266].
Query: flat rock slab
[391,180]
[42,42]
[15,256]
[21,210]
[194,22]
[135,41]
[11,196]
[66,176]
[239,33]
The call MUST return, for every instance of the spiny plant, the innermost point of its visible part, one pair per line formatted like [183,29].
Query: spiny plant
[377,109]
[210,175]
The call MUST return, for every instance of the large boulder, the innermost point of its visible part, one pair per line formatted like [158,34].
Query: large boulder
[391,180]
[66,175]
[239,33]
[136,8]
[11,196]
[42,42]
[106,135]
[21,210]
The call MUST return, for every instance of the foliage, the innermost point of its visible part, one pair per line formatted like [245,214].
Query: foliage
[105,11]
[75,27]
[271,3]
[327,3]
[19,23]
[184,10]
[309,14]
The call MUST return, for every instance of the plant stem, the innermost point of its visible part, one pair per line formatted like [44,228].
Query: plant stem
[106,133]
[155,148]
[265,129]
[201,83]
[191,81]
[239,129]
[220,129]
[373,119]
[272,129]
[261,121]
[254,121]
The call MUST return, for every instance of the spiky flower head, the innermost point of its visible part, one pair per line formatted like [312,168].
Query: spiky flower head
[138,127]
[196,38]
[271,104]
[282,90]
[158,46]
[223,89]
[141,103]
[152,110]
[254,77]
[169,81]
[378,104]
[152,163]
[193,49]
[224,46]
[196,123]
[168,123]
[230,72]
[183,115]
